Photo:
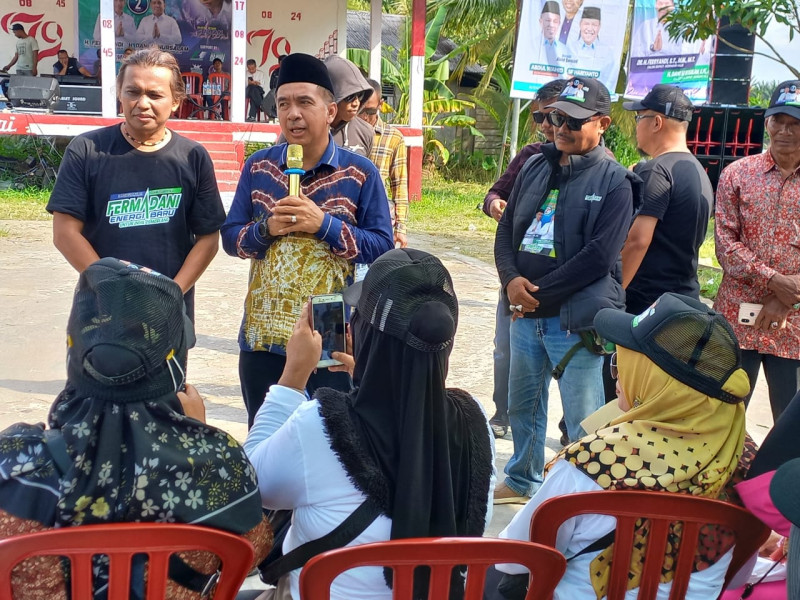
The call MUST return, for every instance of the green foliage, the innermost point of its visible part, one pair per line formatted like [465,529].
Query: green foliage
[761,92]
[477,167]
[251,148]
[697,19]
[23,146]
[621,145]
[709,280]
[440,107]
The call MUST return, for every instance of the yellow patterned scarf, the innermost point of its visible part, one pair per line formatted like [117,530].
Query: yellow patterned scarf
[673,439]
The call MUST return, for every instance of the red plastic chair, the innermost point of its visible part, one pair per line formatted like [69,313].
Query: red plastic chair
[193,103]
[120,541]
[441,554]
[224,100]
[662,509]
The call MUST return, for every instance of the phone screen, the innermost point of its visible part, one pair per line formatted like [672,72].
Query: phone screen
[328,319]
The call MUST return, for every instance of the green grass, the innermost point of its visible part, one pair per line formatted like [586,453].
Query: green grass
[448,210]
[25,205]
[707,249]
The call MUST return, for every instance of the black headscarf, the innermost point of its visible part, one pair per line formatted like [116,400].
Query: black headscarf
[421,451]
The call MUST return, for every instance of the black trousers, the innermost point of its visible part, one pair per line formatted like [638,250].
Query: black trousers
[782,375]
[255,93]
[259,370]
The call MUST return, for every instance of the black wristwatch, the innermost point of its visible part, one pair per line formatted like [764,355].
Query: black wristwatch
[263,229]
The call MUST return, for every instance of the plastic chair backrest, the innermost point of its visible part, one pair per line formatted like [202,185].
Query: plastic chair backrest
[193,82]
[221,79]
[120,542]
[662,509]
[441,554]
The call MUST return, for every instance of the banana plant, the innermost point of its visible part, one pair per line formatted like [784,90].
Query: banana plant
[440,106]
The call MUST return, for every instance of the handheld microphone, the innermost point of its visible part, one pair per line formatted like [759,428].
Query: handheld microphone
[294,167]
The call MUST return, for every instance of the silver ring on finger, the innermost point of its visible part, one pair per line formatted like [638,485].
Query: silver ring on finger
[294,219]
[774,325]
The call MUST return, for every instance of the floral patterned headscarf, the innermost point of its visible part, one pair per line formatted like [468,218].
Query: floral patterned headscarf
[128,452]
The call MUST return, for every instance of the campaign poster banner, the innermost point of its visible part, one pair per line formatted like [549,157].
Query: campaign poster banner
[566,39]
[194,31]
[656,57]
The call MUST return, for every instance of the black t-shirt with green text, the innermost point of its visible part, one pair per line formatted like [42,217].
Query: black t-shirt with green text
[144,207]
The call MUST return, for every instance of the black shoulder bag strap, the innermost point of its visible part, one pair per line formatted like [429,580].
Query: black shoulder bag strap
[343,534]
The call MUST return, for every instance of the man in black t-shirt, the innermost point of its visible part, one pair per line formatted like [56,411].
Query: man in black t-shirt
[660,254]
[138,191]
[67,65]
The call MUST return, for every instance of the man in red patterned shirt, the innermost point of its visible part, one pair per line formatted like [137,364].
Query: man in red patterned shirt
[758,247]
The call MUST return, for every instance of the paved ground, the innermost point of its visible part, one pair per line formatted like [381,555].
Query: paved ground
[36,286]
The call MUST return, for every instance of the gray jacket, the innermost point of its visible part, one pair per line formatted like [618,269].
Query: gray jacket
[356,135]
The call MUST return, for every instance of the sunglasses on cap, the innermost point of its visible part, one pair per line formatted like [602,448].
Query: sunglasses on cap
[557,119]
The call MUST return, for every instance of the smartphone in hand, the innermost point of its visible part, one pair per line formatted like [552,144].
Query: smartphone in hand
[748,313]
[327,317]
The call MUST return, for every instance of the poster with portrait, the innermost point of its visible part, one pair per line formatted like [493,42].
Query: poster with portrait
[657,57]
[195,31]
[568,38]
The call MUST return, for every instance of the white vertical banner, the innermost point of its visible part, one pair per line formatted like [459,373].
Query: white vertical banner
[375,26]
[238,54]
[568,38]
[108,64]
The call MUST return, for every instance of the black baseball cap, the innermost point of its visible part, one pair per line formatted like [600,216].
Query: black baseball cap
[593,98]
[669,100]
[408,294]
[684,337]
[785,99]
[784,489]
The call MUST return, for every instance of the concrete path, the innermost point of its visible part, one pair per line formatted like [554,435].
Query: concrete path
[36,286]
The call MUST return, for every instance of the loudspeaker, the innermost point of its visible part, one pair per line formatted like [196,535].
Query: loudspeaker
[34,93]
[733,65]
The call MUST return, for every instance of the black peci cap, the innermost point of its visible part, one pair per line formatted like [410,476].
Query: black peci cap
[304,68]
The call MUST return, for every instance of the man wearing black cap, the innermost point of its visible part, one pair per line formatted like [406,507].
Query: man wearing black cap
[660,254]
[27,55]
[305,244]
[557,281]
[758,249]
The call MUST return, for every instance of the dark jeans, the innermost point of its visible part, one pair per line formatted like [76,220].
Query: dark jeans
[255,94]
[259,370]
[782,375]
[502,357]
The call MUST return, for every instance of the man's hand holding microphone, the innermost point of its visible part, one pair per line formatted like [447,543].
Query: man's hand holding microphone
[296,212]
